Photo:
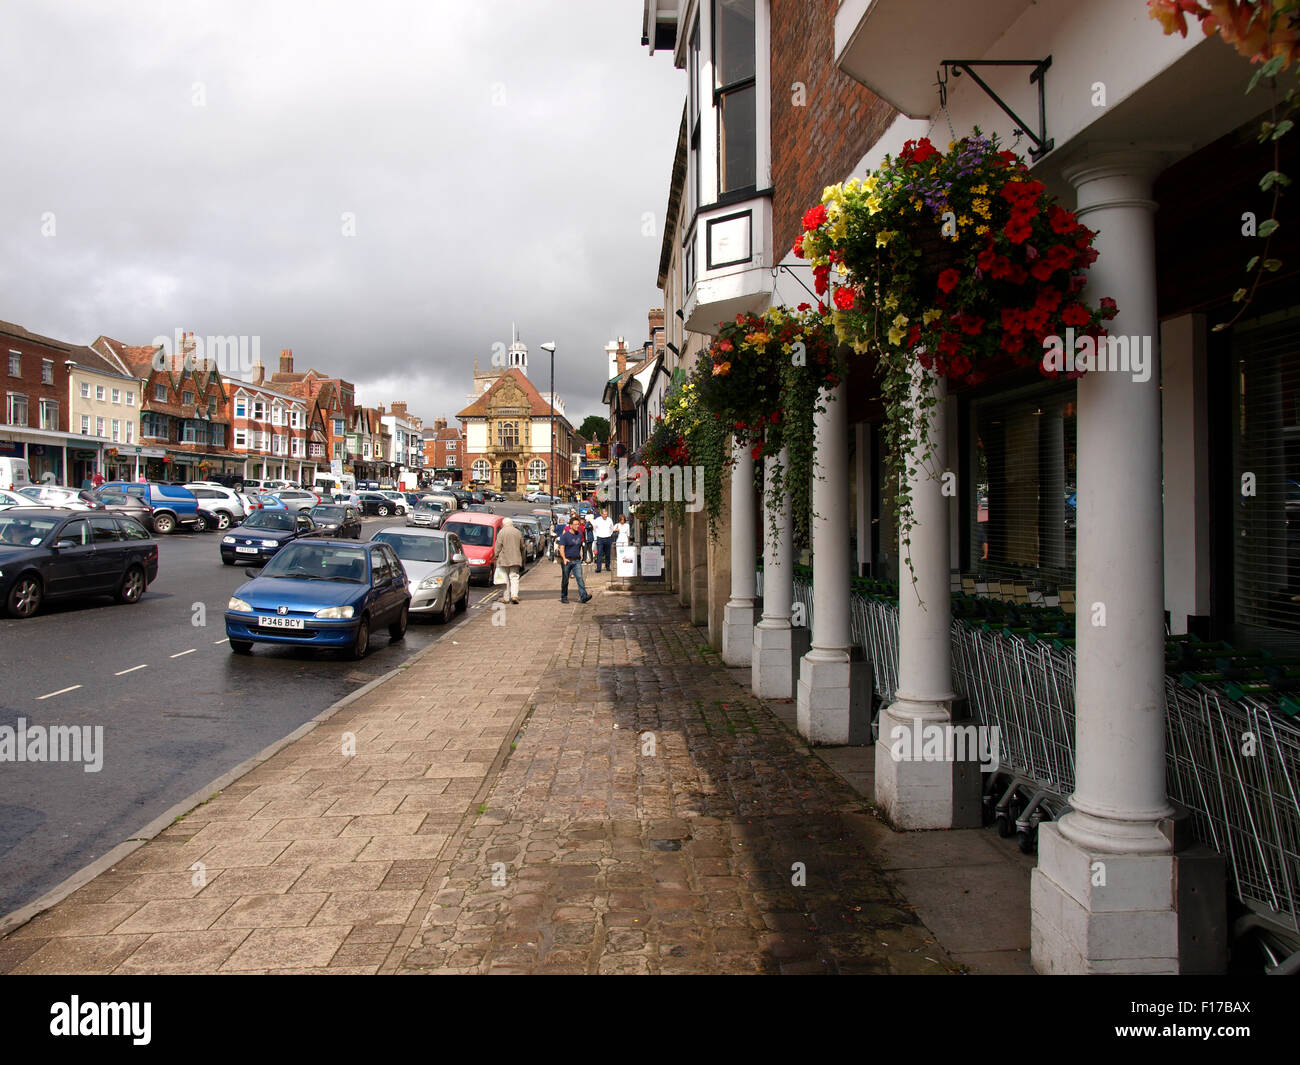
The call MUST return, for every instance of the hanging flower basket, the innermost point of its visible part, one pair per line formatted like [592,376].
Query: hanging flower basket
[955,262]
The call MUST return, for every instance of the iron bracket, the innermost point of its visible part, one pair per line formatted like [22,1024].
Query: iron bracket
[1042,143]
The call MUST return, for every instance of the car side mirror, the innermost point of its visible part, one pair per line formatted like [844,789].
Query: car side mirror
[250,572]
[458,557]
[61,544]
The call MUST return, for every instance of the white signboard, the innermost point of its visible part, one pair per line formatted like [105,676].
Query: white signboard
[336,467]
[627,561]
[652,561]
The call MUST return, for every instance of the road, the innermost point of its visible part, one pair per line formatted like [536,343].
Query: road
[178,709]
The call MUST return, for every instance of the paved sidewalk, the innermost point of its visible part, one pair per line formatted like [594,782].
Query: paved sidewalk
[584,788]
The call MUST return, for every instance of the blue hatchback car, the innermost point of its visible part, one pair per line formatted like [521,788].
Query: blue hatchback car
[321,593]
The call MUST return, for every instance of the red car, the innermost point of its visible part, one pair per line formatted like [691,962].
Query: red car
[477,533]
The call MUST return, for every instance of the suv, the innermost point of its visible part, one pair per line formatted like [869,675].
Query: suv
[297,499]
[172,504]
[221,507]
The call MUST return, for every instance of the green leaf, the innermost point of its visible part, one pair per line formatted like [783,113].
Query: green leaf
[1272,265]
[1273,177]
[1251,265]
[1284,127]
[1273,67]
[1268,228]
[1239,295]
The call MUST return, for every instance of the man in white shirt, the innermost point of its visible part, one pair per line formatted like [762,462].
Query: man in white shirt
[604,530]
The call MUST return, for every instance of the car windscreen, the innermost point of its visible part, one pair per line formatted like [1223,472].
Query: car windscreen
[413,548]
[112,499]
[270,519]
[473,535]
[319,562]
[25,531]
[429,504]
[328,513]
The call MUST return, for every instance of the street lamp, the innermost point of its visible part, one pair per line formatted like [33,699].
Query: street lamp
[550,470]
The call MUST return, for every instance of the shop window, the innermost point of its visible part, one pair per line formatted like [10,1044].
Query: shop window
[1266,486]
[1021,511]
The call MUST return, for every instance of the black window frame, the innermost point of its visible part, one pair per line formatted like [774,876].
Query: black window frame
[728,89]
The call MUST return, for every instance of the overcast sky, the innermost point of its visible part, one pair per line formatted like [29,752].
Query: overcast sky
[195,161]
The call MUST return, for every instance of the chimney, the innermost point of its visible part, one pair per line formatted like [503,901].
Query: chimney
[440,423]
[259,372]
[656,320]
[399,409]
[286,357]
[622,356]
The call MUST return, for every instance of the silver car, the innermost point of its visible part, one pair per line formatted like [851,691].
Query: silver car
[436,569]
[534,538]
[426,514]
[221,506]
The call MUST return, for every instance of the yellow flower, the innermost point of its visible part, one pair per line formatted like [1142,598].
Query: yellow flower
[980,190]
[980,207]
[900,322]
[839,229]
[964,220]
[832,192]
[870,182]
[884,237]
[981,230]
[929,316]
[874,203]
[852,186]
[891,302]
[896,335]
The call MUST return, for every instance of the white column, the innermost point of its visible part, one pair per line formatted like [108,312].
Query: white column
[1105,894]
[738,614]
[773,660]
[862,473]
[916,792]
[824,690]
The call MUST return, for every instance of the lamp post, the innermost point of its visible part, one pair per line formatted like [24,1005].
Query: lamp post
[550,470]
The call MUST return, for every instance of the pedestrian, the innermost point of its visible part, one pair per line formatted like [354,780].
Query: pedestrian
[97,480]
[604,530]
[588,541]
[623,532]
[570,544]
[510,556]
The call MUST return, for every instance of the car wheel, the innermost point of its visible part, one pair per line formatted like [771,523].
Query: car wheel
[223,521]
[25,596]
[448,610]
[241,647]
[201,525]
[463,604]
[164,524]
[133,586]
[382,511]
[361,644]
[397,630]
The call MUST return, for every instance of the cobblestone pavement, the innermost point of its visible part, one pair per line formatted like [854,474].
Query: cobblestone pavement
[580,789]
[654,817]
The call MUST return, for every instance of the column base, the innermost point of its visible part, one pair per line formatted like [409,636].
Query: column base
[919,784]
[834,700]
[775,663]
[738,633]
[1099,912]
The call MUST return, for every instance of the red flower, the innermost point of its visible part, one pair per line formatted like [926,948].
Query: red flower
[986,259]
[1061,220]
[959,367]
[844,298]
[924,149]
[774,417]
[1109,308]
[925,360]
[725,345]
[914,335]
[1018,230]
[757,452]
[949,345]
[1076,314]
[805,307]
[948,280]
[798,246]
[814,217]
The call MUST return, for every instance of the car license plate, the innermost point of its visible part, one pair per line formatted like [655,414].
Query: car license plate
[245,550]
[280,623]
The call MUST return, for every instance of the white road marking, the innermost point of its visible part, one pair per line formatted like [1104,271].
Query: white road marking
[61,691]
[184,653]
[223,639]
[124,672]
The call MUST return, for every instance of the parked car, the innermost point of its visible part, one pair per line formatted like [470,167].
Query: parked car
[267,501]
[436,568]
[262,534]
[378,503]
[124,503]
[321,593]
[17,499]
[297,499]
[55,554]
[398,498]
[427,513]
[59,495]
[478,536]
[493,496]
[172,506]
[337,520]
[534,538]
[221,506]
[481,508]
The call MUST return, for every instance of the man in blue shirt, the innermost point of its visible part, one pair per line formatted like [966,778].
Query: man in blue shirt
[570,545]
